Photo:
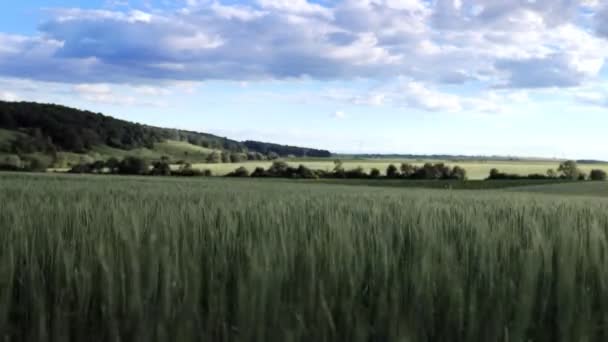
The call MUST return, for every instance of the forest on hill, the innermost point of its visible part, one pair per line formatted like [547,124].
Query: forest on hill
[50,128]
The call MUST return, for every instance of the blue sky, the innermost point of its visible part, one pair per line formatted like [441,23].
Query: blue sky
[492,77]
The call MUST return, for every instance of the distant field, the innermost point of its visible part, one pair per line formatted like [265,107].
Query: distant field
[599,189]
[475,170]
[111,258]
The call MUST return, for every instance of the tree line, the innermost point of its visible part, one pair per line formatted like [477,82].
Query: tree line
[567,170]
[138,166]
[429,171]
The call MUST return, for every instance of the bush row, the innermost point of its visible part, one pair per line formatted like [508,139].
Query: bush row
[567,170]
[280,169]
[138,166]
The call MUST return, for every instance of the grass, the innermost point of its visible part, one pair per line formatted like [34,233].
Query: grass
[598,189]
[156,259]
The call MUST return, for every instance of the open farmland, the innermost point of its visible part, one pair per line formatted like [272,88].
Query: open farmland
[155,259]
[475,169]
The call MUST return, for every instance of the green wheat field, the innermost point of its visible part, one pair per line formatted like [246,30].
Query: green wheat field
[85,258]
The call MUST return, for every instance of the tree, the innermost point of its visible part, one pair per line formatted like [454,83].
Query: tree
[12,162]
[569,170]
[259,172]
[273,156]
[597,175]
[161,168]
[552,173]
[407,170]
[36,164]
[278,169]
[133,166]
[240,172]
[113,164]
[237,157]
[305,172]
[214,158]
[226,157]
[374,173]
[458,173]
[98,166]
[392,172]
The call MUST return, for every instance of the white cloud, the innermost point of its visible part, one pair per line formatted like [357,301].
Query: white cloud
[339,115]
[492,43]
[8,96]
[126,96]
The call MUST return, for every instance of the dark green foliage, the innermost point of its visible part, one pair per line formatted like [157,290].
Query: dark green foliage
[81,168]
[253,156]
[237,157]
[259,172]
[569,170]
[50,128]
[597,175]
[112,164]
[284,151]
[225,156]
[161,168]
[458,173]
[214,158]
[35,164]
[26,164]
[495,174]
[392,171]
[375,173]
[133,166]
[408,170]
[240,172]
[306,173]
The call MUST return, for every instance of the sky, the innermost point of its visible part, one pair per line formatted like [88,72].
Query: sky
[474,77]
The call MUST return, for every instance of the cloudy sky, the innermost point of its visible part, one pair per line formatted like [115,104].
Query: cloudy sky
[505,77]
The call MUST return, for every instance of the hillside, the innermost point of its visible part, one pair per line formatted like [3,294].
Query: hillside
[48,129]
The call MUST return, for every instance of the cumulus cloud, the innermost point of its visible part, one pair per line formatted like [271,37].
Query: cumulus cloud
[495,43]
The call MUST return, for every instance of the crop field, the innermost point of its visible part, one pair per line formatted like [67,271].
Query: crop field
[103,258]
[475,170]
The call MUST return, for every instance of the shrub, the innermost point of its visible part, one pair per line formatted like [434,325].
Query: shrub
[458,173]
[375,173]
[12,162]
[36,164]
[81,168]
[278,169]
[408,170]
[214,158]
[569,170]
[597,175]
[305,172]
[133,166]
[240,172]
[161,168]
[113,164]
[392,172]
[357,173]
[259,172]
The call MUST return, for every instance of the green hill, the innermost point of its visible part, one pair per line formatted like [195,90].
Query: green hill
[65,135]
